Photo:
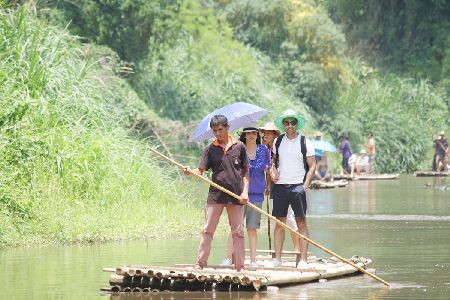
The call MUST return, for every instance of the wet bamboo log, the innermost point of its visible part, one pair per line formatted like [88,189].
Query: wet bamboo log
[136,290]
[155,283]
[177,285]
[209,286]
[431,174]
[195,285]
[342,269]
[318,184]
[223,269]
[222,287]
[292,277]
[120,280]
[145,282]
[116,289]
[165,284]
[379,177]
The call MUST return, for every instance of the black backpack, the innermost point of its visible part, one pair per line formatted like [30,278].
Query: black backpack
[303,147]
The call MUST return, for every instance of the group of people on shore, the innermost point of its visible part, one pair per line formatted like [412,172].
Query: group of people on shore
[262,162]
[365,161]
[440,157]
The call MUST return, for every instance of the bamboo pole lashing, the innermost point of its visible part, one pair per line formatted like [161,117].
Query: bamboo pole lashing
[273,218]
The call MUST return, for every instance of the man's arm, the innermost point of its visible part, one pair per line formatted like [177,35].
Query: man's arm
[245,182]
[188,171]
[312,169]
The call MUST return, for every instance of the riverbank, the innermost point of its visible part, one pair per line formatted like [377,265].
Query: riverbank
[71,170]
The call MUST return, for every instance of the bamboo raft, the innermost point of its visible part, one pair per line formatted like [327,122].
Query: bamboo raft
[430,174]
[318,184]
[153,279]
[366,177]
[347,177]
[379,177]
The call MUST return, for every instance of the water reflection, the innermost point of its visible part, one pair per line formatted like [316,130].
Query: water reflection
[322,202]
[401,224]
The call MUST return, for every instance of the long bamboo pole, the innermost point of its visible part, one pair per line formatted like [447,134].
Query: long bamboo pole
[343,259]
[268,225]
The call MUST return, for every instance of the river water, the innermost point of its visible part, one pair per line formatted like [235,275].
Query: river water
[402,225]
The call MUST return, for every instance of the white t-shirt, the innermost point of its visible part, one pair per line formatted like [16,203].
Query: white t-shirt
[290,163]
[362,161]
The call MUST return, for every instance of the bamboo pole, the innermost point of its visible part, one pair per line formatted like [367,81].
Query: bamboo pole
[268,223]
[274,219]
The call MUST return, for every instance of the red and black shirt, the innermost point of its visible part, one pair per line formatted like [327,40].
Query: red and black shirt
[226,166]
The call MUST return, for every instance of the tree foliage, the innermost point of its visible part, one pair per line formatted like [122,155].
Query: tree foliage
[402,114]
[301,39]
[407,36]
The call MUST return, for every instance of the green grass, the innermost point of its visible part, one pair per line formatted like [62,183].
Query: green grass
[69,169]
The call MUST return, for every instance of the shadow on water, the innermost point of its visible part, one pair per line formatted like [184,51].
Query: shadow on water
[401,224]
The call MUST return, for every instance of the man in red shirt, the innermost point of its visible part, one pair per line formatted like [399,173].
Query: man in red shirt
[228,161]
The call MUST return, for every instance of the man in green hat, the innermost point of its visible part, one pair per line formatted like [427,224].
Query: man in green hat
[292,171]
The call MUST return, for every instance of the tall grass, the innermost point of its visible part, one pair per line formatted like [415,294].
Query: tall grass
[69,168]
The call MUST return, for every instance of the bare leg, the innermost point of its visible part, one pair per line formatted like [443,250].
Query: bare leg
[279,238]
[358,169]
[295,241]
[303,230]
[367,169]
[230,246]
[252,240]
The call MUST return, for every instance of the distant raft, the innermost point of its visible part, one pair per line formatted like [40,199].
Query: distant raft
[153,279]
[366,177]
[318,184]
[430,174]
[379,177]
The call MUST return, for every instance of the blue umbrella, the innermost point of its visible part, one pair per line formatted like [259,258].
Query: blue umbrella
[239,114]
[323,146]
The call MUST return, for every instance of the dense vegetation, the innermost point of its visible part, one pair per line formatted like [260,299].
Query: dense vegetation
[69,169]
[406,36]
[86,84]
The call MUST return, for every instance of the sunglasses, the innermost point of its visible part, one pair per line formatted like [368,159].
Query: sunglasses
[292,123]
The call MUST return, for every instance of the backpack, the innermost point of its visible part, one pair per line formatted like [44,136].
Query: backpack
[303,147]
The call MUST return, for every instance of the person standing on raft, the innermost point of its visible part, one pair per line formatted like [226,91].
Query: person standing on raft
[229,163]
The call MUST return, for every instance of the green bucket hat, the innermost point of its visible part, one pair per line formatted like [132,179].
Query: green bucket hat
[290,114]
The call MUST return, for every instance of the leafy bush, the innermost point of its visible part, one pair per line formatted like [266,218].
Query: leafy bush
[69,169]
[403,114]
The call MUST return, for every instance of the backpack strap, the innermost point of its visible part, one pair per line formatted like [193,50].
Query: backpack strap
[303,149]
[305,163]
[277,146]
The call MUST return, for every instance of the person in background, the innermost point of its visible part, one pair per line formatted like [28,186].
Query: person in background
[259,157]
[352,163]
[227,158]
[441,152]
[319,153]
[362,162]
[371,152]
[346,153]
[322,172]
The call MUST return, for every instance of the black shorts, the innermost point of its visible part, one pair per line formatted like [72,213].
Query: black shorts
[289,194]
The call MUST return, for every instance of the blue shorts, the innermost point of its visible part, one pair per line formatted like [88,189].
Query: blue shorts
[289,194]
